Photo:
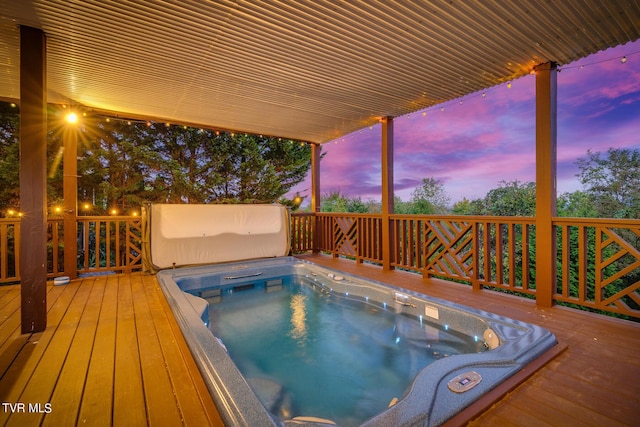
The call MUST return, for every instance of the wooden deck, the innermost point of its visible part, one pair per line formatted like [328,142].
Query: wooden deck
[112,354]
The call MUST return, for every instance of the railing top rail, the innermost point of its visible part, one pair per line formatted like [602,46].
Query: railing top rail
[478,218]
[469,218]
[9,220]
[490,218]
[351,214]
[107,218]
[614,222]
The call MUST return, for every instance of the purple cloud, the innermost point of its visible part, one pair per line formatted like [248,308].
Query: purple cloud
[473,145]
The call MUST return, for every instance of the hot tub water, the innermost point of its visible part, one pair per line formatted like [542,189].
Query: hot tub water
[305,351]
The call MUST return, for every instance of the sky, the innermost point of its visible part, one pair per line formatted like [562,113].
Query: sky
[478,141]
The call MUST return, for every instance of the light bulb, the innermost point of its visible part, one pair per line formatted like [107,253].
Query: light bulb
[72,118]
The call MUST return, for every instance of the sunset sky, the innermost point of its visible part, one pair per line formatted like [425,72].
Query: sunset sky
[477,142]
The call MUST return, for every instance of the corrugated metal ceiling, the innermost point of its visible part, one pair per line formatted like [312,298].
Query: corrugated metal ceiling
[311,70]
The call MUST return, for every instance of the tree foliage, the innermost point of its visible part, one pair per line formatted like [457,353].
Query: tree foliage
[430,197]
[612,181]
[511,199]
[578,204]
[9,156]
[468,207]
[122,164]
[334,201]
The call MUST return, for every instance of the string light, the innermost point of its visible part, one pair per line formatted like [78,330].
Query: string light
[623,59]
[71,118]
[509,85]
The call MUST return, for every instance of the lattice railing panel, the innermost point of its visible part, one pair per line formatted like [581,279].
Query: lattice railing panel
[345,236]
[618,270]
[449,249]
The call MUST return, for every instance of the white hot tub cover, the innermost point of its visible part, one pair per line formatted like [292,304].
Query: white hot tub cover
[188,234]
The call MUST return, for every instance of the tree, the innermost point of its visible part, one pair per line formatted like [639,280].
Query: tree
[402,207]
[577,204]
[9,157]
[336,202]
[613,181]
[512,199]
[256,168]
[469,207]
[430,197]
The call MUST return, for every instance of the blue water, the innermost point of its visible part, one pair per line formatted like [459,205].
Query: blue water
[308,353]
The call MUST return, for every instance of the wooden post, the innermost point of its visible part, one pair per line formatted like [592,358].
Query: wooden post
[546,194]
[387,193]
[315,194]
[33,180]
[70,194]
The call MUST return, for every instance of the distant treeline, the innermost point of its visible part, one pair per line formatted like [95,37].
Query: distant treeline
[611,189]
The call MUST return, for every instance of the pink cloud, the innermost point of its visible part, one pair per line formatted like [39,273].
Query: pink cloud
[473,146]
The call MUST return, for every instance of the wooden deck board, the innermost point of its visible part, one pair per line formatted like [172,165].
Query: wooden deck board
[49,368]
[128,396]
[162,409]
[113,353]
[22,369]
[73,373]
[9,328]
[107,357]
[181,367]
[97,398]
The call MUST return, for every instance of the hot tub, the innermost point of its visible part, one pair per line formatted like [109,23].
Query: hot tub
[434,395]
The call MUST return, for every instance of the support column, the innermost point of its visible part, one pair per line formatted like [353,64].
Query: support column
[546,193]
[33,180]
[387,193]
[70,195]
[315,194]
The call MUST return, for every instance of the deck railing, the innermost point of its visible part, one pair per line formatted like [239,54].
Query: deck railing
[598,260]
[105,244]
[597,267]
[9,250]
[599,264]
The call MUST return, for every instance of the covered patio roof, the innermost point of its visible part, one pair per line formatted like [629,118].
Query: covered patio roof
[307,70]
